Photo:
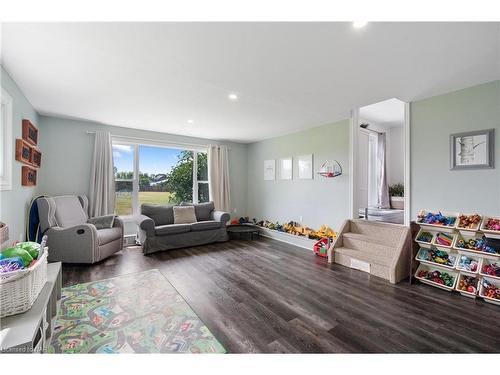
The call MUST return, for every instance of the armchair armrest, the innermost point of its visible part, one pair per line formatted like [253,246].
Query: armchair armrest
[76,244]
[146,224]
[221,216]
[118,223]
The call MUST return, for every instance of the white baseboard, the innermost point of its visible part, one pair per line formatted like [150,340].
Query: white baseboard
[292,239]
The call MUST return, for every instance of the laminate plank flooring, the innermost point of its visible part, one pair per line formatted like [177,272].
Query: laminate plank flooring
[266,296]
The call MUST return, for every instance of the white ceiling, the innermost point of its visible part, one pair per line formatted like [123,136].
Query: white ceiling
[288,76]
[388,114]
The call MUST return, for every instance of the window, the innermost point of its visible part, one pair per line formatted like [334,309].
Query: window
[6,142]
[202,177]
[146,173]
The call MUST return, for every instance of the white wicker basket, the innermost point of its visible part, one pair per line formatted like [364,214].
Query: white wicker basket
[20,289]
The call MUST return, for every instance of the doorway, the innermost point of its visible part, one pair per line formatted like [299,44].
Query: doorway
[380,162]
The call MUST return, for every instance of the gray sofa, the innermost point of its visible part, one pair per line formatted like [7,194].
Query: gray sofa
[157,231]
[69,237]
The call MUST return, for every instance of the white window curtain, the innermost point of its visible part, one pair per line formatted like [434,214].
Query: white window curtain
[383,189]
[373,190]
[102,179]
[218,177]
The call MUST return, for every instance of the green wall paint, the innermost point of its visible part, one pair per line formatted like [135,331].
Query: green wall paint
[13,203]
[433,184]
[68,152]
[320,200]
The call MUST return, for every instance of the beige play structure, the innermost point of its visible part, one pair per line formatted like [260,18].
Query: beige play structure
[381,249]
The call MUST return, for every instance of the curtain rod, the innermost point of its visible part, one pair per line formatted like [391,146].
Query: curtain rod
[370,130]
[155,141]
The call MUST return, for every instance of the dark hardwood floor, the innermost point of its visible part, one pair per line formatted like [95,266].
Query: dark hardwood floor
[267,296]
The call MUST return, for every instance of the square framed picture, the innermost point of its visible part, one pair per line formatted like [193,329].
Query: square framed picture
[269,170]
[286,167]
[305,167]
[472,150]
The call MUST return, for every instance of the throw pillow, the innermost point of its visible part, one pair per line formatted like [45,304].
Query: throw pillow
[202,210]
[102,222]
[184,215]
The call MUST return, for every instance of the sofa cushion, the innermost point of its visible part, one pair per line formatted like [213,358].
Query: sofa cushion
[205,225]
[108,235]
[184,215]
[161,214]
[102,222]
[202,210]
[164,230]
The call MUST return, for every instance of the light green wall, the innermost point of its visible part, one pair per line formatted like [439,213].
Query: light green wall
[13,203]
[67,151]
[67,156]
[320,200]
[433,184]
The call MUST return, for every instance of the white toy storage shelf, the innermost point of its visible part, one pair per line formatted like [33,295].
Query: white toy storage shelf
[465,267]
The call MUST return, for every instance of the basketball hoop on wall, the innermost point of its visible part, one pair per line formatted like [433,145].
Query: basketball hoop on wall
[330,169]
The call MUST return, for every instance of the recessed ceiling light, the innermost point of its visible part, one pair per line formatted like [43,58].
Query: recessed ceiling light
[359,24]
[190,121]
[232,97]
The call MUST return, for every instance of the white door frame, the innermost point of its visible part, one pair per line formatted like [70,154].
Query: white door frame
[353,159]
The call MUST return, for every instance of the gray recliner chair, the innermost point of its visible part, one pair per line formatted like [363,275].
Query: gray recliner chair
[69,237]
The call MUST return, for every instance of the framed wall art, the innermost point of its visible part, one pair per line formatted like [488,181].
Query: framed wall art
[28,176]
[305,167]
[286,167]
[30,132]
[269,170]
[472,150]
[24,152]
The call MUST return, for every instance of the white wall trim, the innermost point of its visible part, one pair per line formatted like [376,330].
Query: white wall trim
[353,159]
[407,165]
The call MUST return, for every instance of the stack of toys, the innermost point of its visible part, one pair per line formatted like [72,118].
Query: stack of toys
[22,255]
[436,219]
[436,256]
[492,269]
[490,290]
[425,237]
[492,224]
[444,239]
[471,244]
[469,221]
[468,284]
[438,277]
[477,244]
[294,228]
[467,264]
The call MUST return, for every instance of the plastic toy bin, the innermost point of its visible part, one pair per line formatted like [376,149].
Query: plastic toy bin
[451,256]
[482,290]
[474,282]
[461,266]
[438,227]
[425,244]
[488,262]
[427,267]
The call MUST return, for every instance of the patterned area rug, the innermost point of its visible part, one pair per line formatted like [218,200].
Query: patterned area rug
[137,313]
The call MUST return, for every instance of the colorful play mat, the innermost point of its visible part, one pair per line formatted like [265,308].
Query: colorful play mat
[136,313]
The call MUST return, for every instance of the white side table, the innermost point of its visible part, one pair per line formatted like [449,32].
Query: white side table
[30,331]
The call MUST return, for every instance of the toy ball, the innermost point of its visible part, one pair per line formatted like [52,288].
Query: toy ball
[11,264]
[33,248]
[12,252]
